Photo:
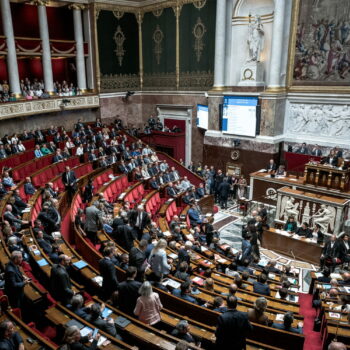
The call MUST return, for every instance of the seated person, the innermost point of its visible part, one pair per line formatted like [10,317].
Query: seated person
[9,337]
[318,234]
[182,332]
[184,292]
[171,191]
[209,285]
[219,305]
[332,159]
[200,191]
[271,167]
[257,314]
[105,324]
[181,272]
[283,293]
[7,181]
[281,171]
[304,230]
[271,267]
[231,270]
[77,306]
[261,286]
[290,225]
[194,216]
[287,324]
[245,267]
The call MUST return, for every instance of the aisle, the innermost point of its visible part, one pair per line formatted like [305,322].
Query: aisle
[312,339]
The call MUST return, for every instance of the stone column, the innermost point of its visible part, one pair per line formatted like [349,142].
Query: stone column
[45,44]
[228,40]
[277,45]
[219,67]
[89,60]
[12,66]
[79,43]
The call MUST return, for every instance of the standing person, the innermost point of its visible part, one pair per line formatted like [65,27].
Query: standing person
[242,185]
[14,280]
[69,181]
[232,327]
[139,219]
[108,272]
[128,291]
[158,259]
[148,305]
[223,192]
[219,177]
[60,284]
[93,221]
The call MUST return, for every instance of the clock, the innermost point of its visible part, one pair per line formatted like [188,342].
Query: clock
[235,154]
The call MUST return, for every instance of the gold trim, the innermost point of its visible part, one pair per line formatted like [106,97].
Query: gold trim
[119,39]
[118,14]
[39,2]
[177,10]
[96,49]
[199,4]
[280,89]
[76,7]
[158,12]
[158,37]
[198,31]
[139,18]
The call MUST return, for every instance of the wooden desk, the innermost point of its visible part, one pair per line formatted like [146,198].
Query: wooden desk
[327,176]
[284,244]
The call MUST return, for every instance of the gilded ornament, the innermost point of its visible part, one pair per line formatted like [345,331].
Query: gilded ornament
[198,32]
[199,4]
[158,37]
[119,39]
[158,12]
[118,14]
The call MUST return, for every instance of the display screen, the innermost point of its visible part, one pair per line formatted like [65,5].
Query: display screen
[202,116]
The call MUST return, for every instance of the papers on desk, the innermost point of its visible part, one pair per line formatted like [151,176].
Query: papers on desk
[190,237]
[296,237]
[293,298]
[171,283]
[80,264]
[121,196]
[74,322]
[166,233]
[347,289]
[198,280]
[262,171]
[173,256]
[271,276]
[318,274]
[100,341]
[26,210]
[98,280]
[42,262]
[86,331]
[263,262]
[279,317]
[292,280]
[106,312]
[204,249]
[334,315]
[337,276]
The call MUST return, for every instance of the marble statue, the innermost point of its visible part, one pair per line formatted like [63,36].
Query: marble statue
[306,213]
[324,216]
[255,39]
[289,208]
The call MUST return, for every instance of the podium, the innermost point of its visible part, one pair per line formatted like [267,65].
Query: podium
[322,175]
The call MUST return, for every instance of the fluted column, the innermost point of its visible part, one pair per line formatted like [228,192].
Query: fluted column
[79,43]
[45,44]
[12,65]
[219,67]
[277,45]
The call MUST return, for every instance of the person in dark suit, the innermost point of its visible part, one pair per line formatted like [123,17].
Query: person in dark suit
[183,254]
[106,325]
[14,280]
[304,230]
[108,272]
[219,177]
[170,190]
[9,338]
[303,149]
[69,180]
[332,159]
[137,258]
[45,245]
[29,189]
[287,324]
[13,219]
[78,308]
[326,276]
[60,284]
[153,183]
[344,249]
[247,248]
[124,235]
[271,167]
[128,291]
[316,151]
[223,191]
[58,157]
[139,220]
[260,286]
[200,192]
[319,234]
[232,327]
[330,253]
[194,216]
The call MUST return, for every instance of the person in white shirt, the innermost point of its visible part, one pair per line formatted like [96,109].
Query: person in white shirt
[185,184]
[69,143]
[20,146]
[79,151]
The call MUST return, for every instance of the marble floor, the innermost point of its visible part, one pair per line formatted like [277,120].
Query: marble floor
[229,223]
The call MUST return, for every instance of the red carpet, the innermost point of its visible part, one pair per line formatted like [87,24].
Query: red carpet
[312,339]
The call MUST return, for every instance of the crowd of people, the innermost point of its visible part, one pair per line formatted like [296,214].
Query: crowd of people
[35,89]
[146,263]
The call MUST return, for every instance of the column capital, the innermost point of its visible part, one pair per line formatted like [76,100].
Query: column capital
[39,2]
[76,7]
[139,17]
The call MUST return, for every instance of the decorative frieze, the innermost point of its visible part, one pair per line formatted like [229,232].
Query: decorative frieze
[19,109]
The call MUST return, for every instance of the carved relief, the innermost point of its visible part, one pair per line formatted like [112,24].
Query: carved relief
[118,14]
[119,39]
[198,32]
[158,12]
[199,4]
[158,38]
[322,120]
[119,82]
